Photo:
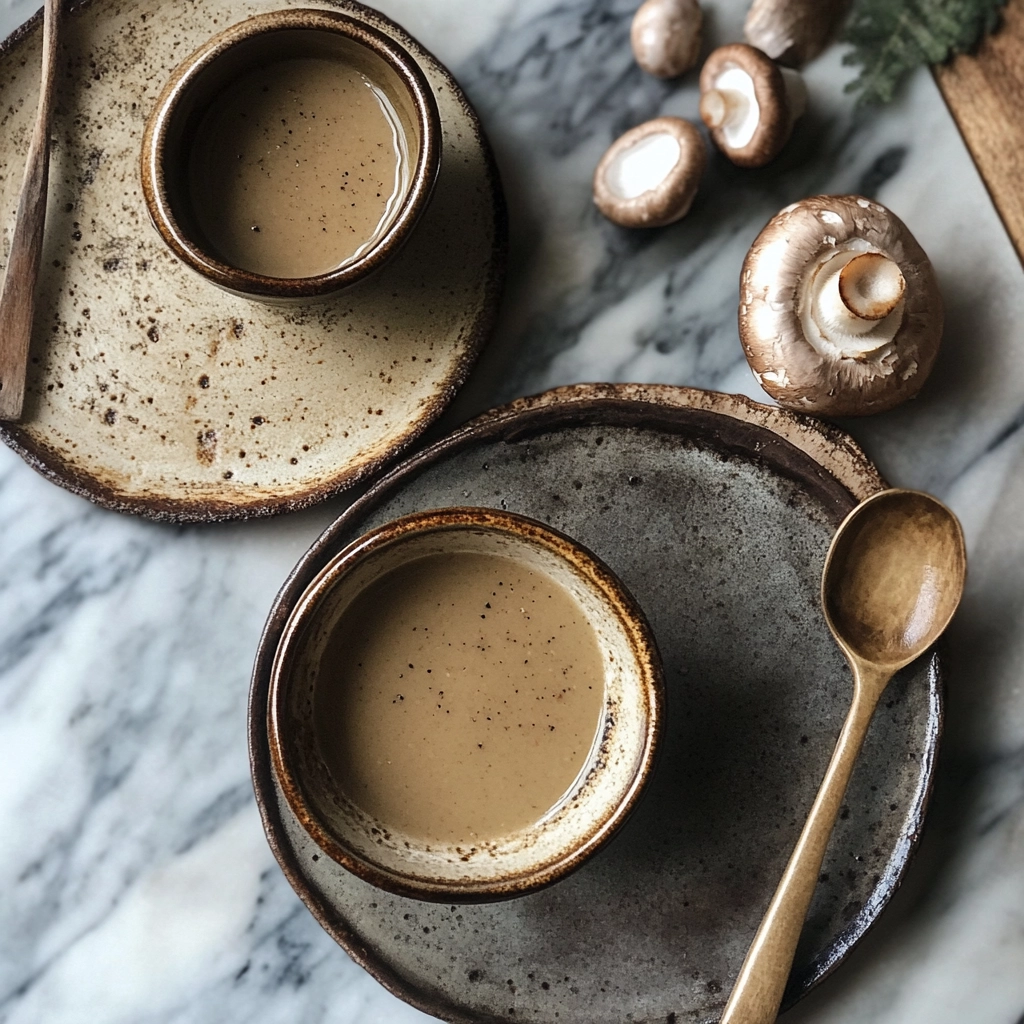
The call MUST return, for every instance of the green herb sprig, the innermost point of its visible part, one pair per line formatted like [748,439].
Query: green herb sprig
[891,38]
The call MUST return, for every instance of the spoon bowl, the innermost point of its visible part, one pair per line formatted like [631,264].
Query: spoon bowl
[893,577]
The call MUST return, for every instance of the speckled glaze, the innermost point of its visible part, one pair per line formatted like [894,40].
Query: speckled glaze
[157,172]
[716,513]
[151,390]
[607,789]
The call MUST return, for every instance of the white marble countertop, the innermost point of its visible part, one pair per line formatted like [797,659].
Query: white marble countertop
[135,881]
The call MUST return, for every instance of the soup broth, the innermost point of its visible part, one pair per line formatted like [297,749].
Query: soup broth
[459,697]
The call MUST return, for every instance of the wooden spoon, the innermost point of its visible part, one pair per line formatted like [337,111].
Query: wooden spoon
[893,578]
[17,300]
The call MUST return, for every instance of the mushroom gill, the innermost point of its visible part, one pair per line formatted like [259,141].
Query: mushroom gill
[643,166]
[649,175]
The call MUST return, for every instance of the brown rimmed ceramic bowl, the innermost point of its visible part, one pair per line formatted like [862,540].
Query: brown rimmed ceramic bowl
[194,88]
[617,767]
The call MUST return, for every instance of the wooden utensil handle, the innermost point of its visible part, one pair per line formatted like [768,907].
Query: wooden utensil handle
[17,297]
[756,996]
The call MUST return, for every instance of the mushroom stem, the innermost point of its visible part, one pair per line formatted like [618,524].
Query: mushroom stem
[729,104]
[851,296]
[871,286]
[722,107]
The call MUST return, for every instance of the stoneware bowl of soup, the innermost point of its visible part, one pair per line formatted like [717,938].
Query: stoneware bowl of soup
[464,706]
[291,155]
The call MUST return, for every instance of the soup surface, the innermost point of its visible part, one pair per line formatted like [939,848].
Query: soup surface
[459,697]
[297,168]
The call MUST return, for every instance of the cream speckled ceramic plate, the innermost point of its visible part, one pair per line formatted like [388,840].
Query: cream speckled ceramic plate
[152,391]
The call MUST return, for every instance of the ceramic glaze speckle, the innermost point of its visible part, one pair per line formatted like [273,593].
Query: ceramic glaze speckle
[150,389]
[720,530]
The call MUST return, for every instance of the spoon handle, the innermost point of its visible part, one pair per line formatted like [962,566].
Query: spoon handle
[758,991]
[17,300]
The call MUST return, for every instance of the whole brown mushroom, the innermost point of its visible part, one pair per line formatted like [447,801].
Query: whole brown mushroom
[666,35]
[840,312]
[792,32]
[648,177]
[749,103]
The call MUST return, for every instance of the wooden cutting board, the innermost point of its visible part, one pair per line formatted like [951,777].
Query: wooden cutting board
[985,93]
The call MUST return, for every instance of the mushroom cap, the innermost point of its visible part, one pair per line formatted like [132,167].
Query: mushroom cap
[792,32]
[776,273]
[774,123]
[622,173]
[666,35]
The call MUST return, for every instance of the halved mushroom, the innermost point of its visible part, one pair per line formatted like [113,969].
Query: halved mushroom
[749,103]
[666,36]
[792,32]
[840,312]
[649,176]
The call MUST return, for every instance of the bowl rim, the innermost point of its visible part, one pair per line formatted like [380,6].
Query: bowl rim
[246,282]
[615,597]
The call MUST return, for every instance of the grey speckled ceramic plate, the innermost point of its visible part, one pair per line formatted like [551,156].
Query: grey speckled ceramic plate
[717,514]
[150,390]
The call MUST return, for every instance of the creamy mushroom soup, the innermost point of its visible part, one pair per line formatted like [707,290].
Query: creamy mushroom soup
[459,697]
[297,168]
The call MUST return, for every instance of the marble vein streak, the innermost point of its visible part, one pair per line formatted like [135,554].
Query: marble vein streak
[135,883]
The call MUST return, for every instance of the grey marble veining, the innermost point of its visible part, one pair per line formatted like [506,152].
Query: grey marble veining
[135,881]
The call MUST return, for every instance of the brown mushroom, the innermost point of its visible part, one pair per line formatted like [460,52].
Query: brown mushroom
[749,103]
[792,32]
[840,312]
[649,176]
[666,36]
